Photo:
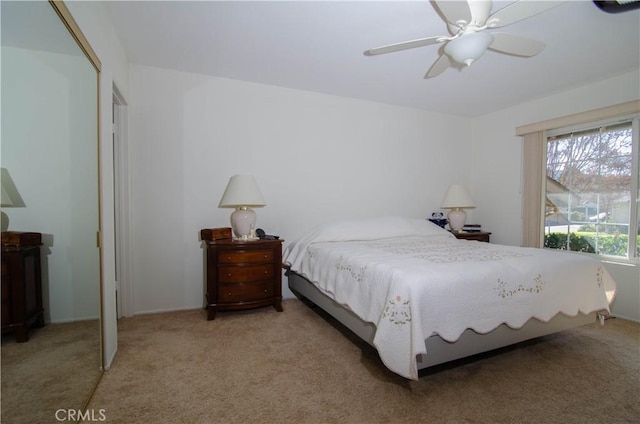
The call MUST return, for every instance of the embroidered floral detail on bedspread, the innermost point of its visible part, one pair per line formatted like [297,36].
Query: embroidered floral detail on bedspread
[398,311]
[340,266]
[505,290]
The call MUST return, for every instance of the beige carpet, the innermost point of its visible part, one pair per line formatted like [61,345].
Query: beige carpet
[261,366]
[57,368]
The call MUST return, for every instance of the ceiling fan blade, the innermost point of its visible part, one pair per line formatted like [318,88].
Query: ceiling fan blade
[515,45]
[454,11]
[520,10]
[439,66]
[421,42]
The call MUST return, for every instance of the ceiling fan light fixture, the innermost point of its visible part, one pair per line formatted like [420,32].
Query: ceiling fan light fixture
[468,47]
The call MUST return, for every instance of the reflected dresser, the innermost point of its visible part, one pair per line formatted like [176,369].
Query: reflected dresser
[21,283]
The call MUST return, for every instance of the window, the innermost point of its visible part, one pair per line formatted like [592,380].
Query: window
[592,189]
[592,195]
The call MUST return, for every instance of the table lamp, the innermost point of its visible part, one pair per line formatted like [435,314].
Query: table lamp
[456,199]
[242,193]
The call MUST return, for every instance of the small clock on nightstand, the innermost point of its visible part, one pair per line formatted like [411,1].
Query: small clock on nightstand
[476,235]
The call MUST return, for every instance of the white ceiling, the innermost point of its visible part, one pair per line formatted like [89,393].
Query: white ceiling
[317,46]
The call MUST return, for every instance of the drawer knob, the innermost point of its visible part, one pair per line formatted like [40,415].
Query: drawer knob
[228,294]
[266,272]
[266,291]
[229,275]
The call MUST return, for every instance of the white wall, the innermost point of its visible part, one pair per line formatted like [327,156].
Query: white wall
[497,167]
[317,158]
[95,23]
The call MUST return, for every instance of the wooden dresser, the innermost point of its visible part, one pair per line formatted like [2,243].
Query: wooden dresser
[21,283]
[242,274]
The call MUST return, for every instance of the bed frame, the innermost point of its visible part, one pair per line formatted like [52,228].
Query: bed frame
[440,351]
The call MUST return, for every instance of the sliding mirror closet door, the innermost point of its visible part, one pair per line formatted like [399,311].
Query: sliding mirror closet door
[49,152]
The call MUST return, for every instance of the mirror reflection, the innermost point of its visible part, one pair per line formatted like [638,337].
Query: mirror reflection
[49,147]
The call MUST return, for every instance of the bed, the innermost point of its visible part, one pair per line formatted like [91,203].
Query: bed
[422,297]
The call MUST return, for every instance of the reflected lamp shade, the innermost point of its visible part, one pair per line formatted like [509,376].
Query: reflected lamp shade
[6,197]
[6,202]
[468,47]
[10,196]
[457,199]
[242,193]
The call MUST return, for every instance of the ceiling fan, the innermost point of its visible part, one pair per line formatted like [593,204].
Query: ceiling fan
[468,22]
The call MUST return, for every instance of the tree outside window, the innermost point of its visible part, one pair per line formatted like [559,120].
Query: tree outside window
[589,191]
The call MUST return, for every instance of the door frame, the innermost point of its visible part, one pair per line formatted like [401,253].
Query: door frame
[122,207]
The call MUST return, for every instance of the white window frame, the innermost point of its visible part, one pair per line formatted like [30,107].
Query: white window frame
[634,119]
[534,164]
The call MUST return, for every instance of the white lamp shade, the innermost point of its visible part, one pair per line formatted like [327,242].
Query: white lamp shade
[468,47]
[6,197]
[10,195]
[457,197]
[242,190]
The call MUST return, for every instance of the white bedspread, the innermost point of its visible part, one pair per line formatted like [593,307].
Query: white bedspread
[413,279]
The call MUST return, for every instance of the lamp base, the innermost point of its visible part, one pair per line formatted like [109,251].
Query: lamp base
[243,221]
[457,218]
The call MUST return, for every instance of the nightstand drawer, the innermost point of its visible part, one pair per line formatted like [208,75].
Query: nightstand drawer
[252,256]
[244,274]
[245,292]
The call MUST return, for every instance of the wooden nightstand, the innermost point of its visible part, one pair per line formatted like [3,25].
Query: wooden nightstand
[242,274]
[480,236]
